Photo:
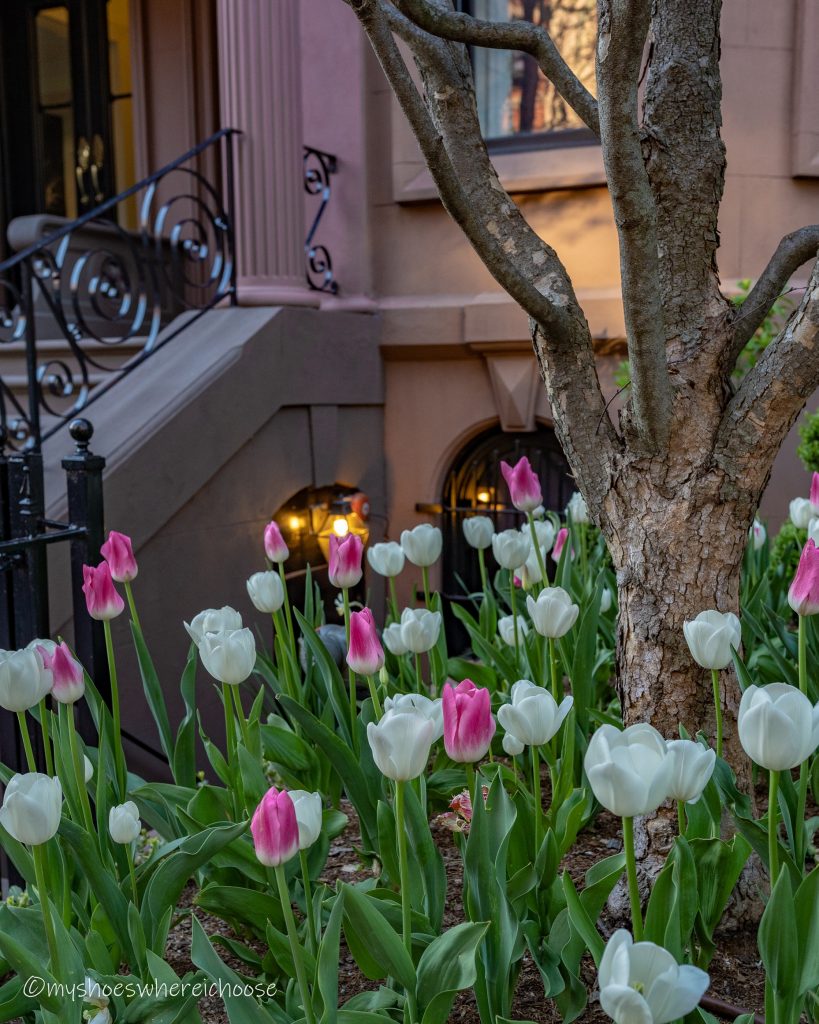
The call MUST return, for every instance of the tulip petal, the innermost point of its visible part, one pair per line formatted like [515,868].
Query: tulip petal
[625,1005]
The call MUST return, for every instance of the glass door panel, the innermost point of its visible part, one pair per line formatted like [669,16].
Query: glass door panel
[55,129]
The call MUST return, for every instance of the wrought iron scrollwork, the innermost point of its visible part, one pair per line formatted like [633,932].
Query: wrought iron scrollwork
[88,303]
[318,170]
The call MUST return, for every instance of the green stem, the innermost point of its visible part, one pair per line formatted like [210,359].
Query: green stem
[288,614]
[308,900]
[773,826]
[129,853]
[38,855]
[482,564]
[79,769]
[132,606]
[371,683]
[403,870]
[49,757]
[295,948]
[631,874]
[290,684]
[681,817]
[427,594]
[717,708]
[538,798]
[799,838]
[419,679]
[513,602]
[351,675]
[538,553]
[240,714]
[558,696]
[584,558]
[119,758]
[469,768]
[396,617]
[31,760]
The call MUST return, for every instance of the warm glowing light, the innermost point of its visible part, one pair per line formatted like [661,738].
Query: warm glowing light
[294,523]
[484,496]
[341,527]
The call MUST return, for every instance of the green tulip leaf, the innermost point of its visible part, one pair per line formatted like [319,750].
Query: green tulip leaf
[777,938]
[446,967]
[367,930]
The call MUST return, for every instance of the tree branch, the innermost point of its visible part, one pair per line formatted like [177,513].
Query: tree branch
[513,35]
[622,30]
[794,250]
[771,396]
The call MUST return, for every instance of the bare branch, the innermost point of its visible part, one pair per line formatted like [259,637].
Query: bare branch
[512,35]
[622,30]
[771,396]
[794,250]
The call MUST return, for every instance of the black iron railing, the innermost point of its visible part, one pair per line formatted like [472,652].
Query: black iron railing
[319,167]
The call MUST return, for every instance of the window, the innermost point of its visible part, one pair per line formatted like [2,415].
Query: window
[518,106]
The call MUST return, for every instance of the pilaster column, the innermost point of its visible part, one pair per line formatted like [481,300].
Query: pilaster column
[260,93]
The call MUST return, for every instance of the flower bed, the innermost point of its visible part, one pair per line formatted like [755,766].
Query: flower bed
[516,755]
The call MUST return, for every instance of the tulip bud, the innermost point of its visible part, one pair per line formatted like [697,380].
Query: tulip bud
[274,545]
[758,534]
[553,613]
[393,639]
[345,560]
[478,531]
[266,591]
[560,540]
[628,771]
[512,745]
[506,629]
[511,549]
[387,559]
[577,508]
[803,595]
[530,570]
[422,545]
[88,769]
[400,744]
[420,629]
[642,982]
[801,512]
[24,679]
[417,703]
[229,656]
[711,636]
[814,494]
[366,655]
[213,620]
[308,808]
[692,765]
[67,673]
[101,597]
[605,600]
[523,484]
[468,722]
[533,715]
[544,531]
[119,554]
[32,808]
[275,829]
[123,823]
[778,726]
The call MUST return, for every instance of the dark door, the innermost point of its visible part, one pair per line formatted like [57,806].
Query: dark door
[66,95]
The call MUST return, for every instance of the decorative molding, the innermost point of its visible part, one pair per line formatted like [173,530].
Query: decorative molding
[516,385]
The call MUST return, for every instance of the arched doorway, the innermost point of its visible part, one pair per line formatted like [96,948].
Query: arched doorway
[474,484]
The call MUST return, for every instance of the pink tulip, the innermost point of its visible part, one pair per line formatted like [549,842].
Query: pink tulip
[524,486]
[274,546]
[69,679]
[275,829]
[468,722]
[560,540]
[119,554]
[366,655]
[345,560]
[803,596]
[101,595]
[814,492]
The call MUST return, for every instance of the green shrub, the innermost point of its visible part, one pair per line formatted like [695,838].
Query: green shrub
[808,450]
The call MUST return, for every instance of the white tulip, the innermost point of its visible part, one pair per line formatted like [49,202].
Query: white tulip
[692,765]
[628,771]
[544,531]
[479,531]
[417,703]
[711,636]
[553,613]
[213,620]
[123,823]
[387,558]
[422,545]
[533,715]
[88,769]
[24,680]
[813,532]
[393,640]
[511,548]
[309,811]
[758,534]
[641,983]
[400,744]
[801,512]
[266,591]
[93,993]
[506,629]
[778,726]
[529,572]
[420,629]
[32,807]
[512,745]
[229,656]
[577,508]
